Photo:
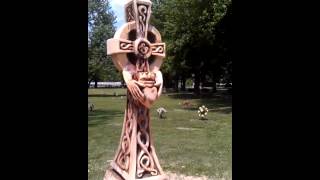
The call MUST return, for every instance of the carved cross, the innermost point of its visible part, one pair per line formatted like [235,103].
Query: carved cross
[137,37]
[137,51]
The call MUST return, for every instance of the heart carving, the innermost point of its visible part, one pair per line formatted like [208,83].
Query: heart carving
[150,92]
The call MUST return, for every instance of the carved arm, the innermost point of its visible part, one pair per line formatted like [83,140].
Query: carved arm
[132,84]
[159,82]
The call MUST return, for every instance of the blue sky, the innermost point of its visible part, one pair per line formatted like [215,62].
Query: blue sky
[117,7]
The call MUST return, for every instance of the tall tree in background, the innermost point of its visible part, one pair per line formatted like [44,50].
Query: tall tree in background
[197,42]
[100,27]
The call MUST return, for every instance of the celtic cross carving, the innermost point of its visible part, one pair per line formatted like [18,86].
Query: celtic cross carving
[137,51]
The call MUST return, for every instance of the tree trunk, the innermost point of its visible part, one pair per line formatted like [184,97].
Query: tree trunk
[214,86]
[176,84]
[167,81]
[89,83]
[95,83]
[197,83]
[183,83]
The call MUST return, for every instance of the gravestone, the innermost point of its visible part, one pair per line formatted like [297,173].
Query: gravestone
[137,51]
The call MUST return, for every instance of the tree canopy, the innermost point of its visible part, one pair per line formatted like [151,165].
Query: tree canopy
[100,27]
[196,33]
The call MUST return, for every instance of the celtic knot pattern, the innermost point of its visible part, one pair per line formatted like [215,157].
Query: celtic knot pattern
[130,13]
[124,153]
[133,46]
[158,49]
[143,48]
[142,12]
[145,162]
[126,46]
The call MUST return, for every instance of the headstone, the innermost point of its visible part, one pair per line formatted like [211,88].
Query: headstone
[137,51]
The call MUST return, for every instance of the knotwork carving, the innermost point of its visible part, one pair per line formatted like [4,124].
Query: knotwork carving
[157,49]
[130,13]
[124,153]
[126,46]
[142,12]
[145,163]
[130,49]
[143,48]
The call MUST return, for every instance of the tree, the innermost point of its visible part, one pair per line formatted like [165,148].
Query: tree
[100,27]
[196,40]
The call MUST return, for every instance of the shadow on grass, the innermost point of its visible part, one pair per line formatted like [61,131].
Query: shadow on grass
[226,110]
[190,95]
[99,116]
[222,104]
[184,95]
[105,95]
[216,102]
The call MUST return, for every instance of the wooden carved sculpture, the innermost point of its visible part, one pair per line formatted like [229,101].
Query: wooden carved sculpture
[137,51]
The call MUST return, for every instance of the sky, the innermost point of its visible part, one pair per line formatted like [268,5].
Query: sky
[117,6]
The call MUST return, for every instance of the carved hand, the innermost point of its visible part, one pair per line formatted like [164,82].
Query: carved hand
[135,90]
[159,82]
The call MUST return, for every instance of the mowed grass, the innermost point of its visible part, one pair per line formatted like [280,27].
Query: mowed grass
[184,144]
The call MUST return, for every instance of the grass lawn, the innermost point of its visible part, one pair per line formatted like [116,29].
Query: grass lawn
[184,144]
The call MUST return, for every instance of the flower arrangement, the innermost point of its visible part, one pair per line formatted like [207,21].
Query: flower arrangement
[161,112]
[203,111]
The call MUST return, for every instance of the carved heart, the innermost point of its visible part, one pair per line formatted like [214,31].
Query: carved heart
[150,96]
[150,93]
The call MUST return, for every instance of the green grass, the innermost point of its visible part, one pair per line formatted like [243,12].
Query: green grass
[203,149]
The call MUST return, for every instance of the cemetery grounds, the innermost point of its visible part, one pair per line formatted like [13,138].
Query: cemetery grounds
[184,144]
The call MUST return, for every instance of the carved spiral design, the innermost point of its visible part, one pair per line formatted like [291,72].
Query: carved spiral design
[126,46]
[130,13]
[158,49]
[124,154]
[142,12]
[145,163]
[143,48]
